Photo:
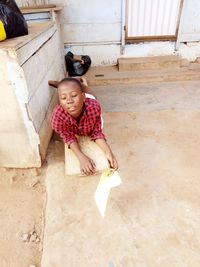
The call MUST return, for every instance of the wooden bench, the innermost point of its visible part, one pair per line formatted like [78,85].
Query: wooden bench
[26,100]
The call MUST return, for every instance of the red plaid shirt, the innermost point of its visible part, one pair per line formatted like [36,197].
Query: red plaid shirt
[89,125]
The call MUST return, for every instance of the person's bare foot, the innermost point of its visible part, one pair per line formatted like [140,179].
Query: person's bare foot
[53,83]
[82,80]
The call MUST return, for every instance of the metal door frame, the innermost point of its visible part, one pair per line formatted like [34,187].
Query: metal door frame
[131,40]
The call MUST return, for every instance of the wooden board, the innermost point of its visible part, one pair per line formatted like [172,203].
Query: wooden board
[39,103]
[41,6]
[89,148]
[37,17]
[26,51]
[45,131]
[29,2]
[38,65]
[35,29]
[28,10]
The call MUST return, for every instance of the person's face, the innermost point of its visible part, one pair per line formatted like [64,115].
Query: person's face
[71,98]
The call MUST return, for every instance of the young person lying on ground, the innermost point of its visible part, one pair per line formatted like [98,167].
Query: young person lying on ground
[79,115]
[83,82]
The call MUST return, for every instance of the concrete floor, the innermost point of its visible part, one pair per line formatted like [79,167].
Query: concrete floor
[153,218]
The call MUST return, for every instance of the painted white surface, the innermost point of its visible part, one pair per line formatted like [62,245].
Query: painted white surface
[17,135]
[27,101]
[94,27]
[27,50]
[152,17]
[191,22]
[88,11]
[189,51]
[37,17]
[89,33]
[17,79]
[149,49]
[100,54]
[90,21]
[39,103]
[44,59]
[108,54]
[190,30]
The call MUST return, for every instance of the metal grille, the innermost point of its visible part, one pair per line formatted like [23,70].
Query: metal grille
[152,17]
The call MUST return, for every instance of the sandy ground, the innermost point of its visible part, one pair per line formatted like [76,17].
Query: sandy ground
[22,200]
[151,220]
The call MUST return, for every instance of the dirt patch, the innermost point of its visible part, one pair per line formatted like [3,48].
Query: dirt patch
[22,202]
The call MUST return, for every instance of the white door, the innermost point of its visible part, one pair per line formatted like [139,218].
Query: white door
[152,19]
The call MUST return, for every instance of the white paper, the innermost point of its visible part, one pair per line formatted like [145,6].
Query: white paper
[107,181]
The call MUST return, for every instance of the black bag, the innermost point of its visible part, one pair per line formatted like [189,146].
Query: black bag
[76,67]
[13,21]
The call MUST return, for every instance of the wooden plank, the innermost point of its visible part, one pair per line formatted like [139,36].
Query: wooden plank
[41,6]
[36,17]
[90,149]
[147,63]
[28,10]
[30,2]
[25,52]
[148,59]
[16,127]
[45,131]
[35,30]
[42,60]
[39,103]
[145,76]
[133,40]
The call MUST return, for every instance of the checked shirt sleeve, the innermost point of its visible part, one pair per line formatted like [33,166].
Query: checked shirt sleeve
[59,125]
[97,129]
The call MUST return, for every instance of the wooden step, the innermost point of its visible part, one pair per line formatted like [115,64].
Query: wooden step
[111,75]
[147,63]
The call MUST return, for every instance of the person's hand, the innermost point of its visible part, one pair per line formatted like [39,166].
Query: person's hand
[108,152]
[112,160]
[87,165]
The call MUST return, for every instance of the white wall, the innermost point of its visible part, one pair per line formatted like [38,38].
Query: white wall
[190,28]
[93,27]
[90,21]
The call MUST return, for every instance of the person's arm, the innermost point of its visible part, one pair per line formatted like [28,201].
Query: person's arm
[108,152]
[87,165]
[98,136]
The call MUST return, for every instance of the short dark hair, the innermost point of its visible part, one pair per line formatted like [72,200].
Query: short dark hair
[73,80]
